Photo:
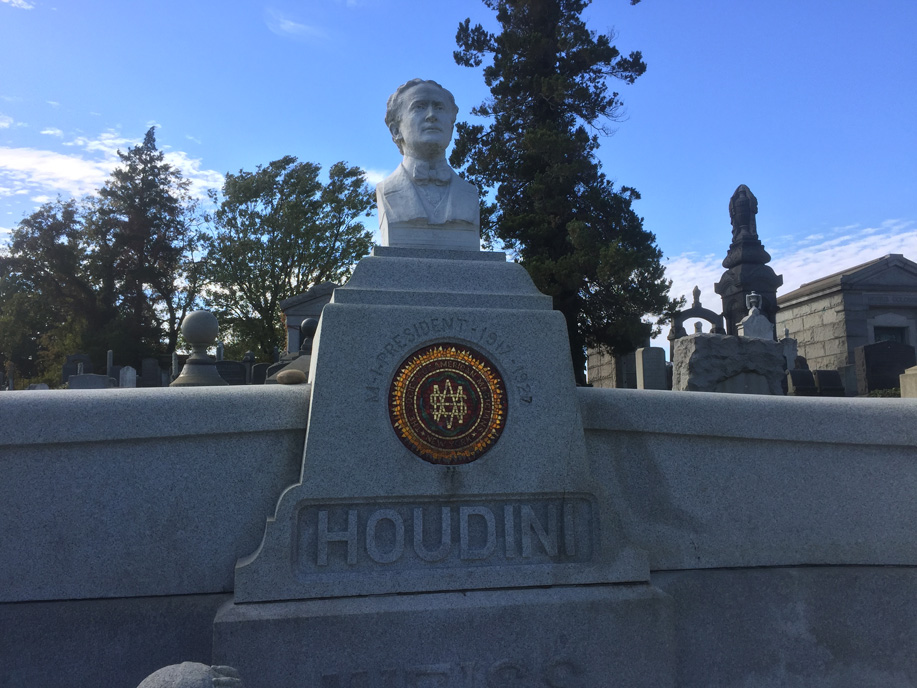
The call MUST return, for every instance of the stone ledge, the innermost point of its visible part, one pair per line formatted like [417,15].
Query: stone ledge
[71,416]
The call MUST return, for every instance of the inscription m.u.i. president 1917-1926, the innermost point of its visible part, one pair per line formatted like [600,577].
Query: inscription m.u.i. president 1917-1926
[427,533]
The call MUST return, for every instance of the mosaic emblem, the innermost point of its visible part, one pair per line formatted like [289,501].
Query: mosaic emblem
[448,404]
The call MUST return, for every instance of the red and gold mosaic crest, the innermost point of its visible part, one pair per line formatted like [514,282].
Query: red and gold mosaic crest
[448,404]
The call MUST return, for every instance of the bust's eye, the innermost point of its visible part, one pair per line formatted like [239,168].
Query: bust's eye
[418,106]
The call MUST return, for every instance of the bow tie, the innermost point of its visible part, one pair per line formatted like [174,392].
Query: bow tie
[431,174]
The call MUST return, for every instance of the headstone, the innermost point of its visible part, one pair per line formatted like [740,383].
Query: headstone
[249,360]
[829,383]
[259,373]
[219,351]
[755,324]
[90,381]
[726,363]
[800,383]
[880,365]
[234,372]
[790,350]
[72,366]
[908,383]
[115,374]
[848,375]
[150,375]
[650,368]
[464,481]
[128,377]
[110,363]
[38,386]
[176,366]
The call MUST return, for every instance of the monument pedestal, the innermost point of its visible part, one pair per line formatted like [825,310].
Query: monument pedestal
[586,636]
[445,458]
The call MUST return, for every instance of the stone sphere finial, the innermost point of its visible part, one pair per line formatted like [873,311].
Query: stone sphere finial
[193,675]
[200,328]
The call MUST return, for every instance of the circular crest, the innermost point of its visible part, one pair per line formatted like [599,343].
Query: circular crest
[448,404]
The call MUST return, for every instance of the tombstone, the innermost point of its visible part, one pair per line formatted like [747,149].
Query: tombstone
[72,366]
[829,383]
[790,349]
[115,374]
[219,351]
[38,386]
[234,372]
[90,381]
[249,360]
[908,383]
[755,324]
[150,374]
[800,383]
[880,365]
[447,529]
[128,377]
[110,364]
[259,373]
[176,367]
[726,363]
[650,368]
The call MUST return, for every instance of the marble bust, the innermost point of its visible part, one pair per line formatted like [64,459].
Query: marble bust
[424,203]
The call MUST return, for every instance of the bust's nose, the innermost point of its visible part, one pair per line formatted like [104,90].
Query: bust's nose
[431,114]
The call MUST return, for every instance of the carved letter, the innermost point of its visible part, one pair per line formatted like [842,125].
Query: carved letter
[445,542]
[372,549]
[465,513]
[509,531]
[420,676]
[505,674]
[547,538]
[349,536]
[559,670]
[569,530]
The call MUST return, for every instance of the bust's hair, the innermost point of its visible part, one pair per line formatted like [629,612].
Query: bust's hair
[393,106]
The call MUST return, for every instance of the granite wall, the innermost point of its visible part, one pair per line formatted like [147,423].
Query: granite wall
[781,528]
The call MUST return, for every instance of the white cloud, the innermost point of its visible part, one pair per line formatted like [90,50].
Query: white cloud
[41,199]
[20,4]
[799,260]
[192,138]
[373,177]
[5,121]
[282,25]
[45,173]
[53,103]
[52,131]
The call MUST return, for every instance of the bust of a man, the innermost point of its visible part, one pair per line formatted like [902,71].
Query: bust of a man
[424,203]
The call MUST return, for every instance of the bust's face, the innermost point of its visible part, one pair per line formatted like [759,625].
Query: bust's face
[426,122]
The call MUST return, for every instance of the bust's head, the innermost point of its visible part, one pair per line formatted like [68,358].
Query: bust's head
[420,115]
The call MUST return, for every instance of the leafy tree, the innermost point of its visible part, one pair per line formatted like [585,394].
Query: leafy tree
[112,271]
[279,231]
[576,234]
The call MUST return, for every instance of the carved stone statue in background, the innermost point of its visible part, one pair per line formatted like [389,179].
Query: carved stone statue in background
[424,203]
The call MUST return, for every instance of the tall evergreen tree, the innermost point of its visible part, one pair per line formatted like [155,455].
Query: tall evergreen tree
[576,234]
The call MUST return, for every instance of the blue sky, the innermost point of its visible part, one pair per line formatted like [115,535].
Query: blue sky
[810,103]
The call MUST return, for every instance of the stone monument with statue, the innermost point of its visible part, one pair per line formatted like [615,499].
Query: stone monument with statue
[447,529]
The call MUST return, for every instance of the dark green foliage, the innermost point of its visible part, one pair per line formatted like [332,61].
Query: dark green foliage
[278,232]
[113,271]
[576,234]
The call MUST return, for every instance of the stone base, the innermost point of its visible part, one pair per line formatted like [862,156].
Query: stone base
[449,238]
[586,636]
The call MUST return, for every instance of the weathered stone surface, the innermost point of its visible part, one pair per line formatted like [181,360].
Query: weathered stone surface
[291,376]
[650,365]
[908,382]
[844,627]
[724,363]
[161,503]
[800,383]
[880,365]
[392,522]
[562,636]
[193,675]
